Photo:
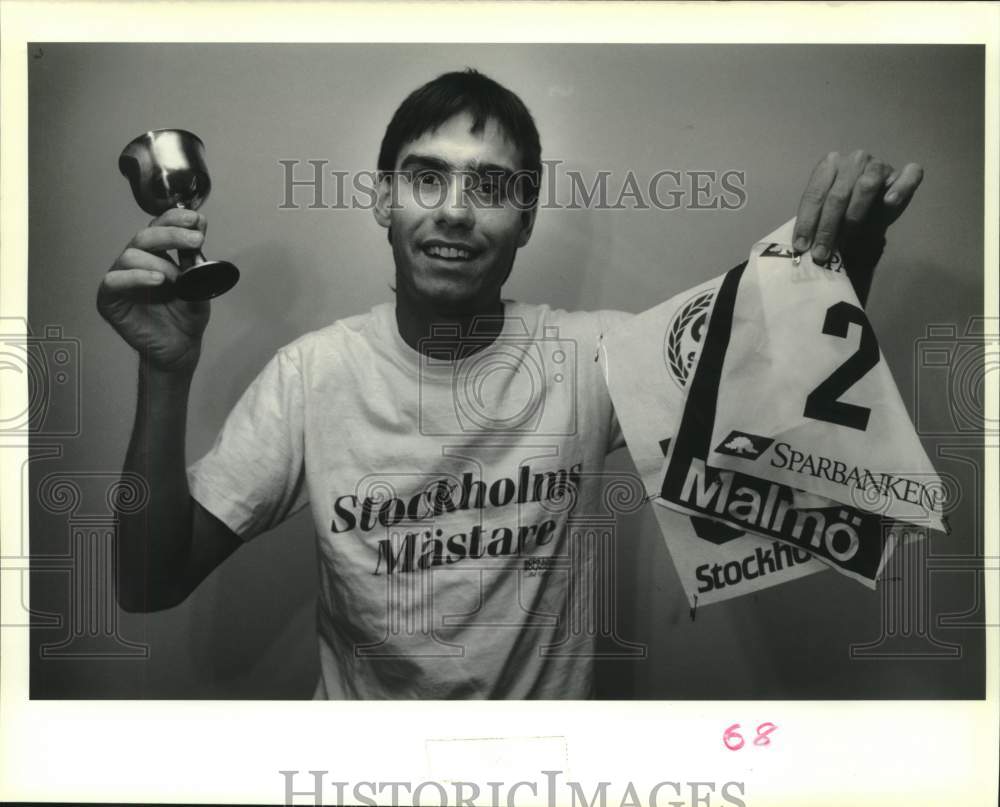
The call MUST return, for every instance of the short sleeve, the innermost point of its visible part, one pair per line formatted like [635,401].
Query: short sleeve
[253,478]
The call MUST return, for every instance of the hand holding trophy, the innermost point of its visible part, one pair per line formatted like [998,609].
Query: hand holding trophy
[166,169]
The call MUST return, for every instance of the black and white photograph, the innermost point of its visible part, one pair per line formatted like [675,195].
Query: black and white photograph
[596,373]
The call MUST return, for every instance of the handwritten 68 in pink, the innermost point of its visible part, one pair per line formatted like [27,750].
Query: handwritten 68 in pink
[734,741]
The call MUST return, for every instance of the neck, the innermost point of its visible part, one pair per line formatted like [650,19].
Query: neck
[464,331]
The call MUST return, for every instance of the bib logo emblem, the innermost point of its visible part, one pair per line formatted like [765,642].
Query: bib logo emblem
[684,334]
[741,444]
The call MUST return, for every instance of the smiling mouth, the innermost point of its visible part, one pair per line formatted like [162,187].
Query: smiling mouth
[448,253]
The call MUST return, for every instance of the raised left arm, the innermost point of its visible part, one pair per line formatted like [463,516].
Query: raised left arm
[848,204]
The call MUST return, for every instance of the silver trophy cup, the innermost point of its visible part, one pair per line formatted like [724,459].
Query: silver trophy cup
[166,168]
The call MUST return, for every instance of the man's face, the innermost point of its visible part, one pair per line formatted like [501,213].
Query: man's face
[454,235]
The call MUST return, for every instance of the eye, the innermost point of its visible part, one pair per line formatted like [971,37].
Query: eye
[427,178]
[490,188]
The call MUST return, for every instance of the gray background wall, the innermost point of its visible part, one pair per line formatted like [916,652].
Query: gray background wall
[769,111]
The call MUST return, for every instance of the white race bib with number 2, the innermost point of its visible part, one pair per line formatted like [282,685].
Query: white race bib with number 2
[809,400]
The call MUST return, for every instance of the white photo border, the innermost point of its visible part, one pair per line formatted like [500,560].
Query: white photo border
[836,752]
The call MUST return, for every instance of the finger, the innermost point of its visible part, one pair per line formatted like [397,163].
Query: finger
[901,191]
[867,190]
[160,238]
[835,205]
[179,217]
[811,203]
[133,258]
[125,280]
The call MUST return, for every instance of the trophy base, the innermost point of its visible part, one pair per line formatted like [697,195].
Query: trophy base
[203,281]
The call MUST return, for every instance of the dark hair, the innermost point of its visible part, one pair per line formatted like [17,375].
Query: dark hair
[450,94]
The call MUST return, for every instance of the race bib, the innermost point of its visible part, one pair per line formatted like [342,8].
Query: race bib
[647,362]
[792,426]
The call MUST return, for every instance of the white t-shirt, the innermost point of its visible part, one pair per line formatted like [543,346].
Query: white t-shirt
[460,505]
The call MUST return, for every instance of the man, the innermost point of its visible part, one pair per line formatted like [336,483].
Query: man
[450,446]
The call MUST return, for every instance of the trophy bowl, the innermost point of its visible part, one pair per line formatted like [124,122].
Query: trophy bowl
[166,169]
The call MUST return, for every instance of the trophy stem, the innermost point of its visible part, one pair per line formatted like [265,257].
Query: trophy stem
[202,279]
[187,258]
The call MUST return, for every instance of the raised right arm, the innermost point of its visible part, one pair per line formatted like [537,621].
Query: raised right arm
[166,549]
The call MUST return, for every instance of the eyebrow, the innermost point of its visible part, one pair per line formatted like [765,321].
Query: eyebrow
[415,161]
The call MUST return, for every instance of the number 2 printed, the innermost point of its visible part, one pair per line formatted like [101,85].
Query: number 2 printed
[822,403]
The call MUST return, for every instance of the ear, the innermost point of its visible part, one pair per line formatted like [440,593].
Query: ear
[383,200]
[527,225]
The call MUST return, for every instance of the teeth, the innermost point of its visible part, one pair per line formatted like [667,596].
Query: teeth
[449,252]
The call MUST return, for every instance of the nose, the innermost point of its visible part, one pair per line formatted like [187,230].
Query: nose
[456,210]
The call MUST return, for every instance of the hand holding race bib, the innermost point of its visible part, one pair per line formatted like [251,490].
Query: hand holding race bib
[790,395]
[781,425]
